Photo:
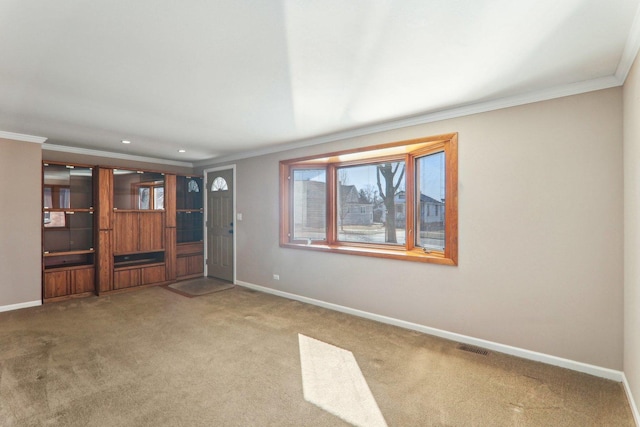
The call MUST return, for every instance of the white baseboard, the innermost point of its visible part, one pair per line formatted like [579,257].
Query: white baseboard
[20,305]
[632,403]
[597,371]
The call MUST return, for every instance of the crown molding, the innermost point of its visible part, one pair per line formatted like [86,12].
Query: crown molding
[481,107]
[630,49]
[22,137]
[113,155]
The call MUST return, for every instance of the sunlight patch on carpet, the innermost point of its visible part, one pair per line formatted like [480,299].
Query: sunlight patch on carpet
[332,380]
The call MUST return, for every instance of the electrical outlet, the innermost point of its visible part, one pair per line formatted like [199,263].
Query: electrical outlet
[276,277]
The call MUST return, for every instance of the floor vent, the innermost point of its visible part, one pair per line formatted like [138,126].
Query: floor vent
[473,349]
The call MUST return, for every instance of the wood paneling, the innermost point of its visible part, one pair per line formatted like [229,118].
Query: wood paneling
[182,266]
[190,265]
[151,231]
[105,262]
[55,284]
[155,274]
[104,197]
[196,264]
[190,248]
[170,253]
[126,232]
[170,199]
[126,278]
[82,280]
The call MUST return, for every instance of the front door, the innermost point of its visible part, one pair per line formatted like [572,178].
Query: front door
[220,224]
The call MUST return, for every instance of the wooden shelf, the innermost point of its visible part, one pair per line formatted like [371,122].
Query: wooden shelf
[68,259]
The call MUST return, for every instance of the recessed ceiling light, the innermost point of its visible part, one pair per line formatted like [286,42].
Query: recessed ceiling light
[182,150]
[126,141]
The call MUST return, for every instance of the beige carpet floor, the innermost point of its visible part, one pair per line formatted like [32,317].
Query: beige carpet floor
[199,286]
[154,358]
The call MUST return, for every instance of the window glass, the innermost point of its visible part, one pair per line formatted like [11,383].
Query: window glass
[430,201]
[219,184]
[370,203]
[309,204]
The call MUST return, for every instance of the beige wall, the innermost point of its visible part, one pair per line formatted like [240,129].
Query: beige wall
[540,220]
[632,231]
[20,235]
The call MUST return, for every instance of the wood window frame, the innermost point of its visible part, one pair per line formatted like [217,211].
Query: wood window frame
[406,151]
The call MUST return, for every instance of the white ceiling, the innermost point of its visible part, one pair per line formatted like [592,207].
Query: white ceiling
[223,77]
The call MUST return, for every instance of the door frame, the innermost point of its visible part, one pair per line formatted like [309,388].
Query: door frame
[208,172]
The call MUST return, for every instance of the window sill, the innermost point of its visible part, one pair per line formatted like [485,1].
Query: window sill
[415,255]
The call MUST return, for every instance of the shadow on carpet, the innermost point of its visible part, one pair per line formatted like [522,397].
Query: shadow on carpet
[200,286]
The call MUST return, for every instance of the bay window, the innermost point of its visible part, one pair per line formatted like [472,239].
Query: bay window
[396,200]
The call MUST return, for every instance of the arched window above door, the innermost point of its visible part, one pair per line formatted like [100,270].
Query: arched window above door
[219,184]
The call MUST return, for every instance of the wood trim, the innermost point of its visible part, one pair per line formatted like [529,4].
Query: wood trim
[332,207]
[104,262]
[399,254]
[451,201]
[286,187]
[103,181]
[333,157]
[170,200]
[52,254]
[410,208]
[170,253]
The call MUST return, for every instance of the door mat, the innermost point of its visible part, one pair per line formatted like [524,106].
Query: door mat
[200,286]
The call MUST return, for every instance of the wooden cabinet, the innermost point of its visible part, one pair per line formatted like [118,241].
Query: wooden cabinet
[68,260]
[126,278]
[139,245]
[190,260]
[56,283]
[189,227]
[138,276]
[147,229]
[63,282]
[138,231]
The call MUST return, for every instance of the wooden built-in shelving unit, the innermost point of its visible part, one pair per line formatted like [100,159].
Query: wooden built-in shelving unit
[189,227]
[146,229]
[68,262]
